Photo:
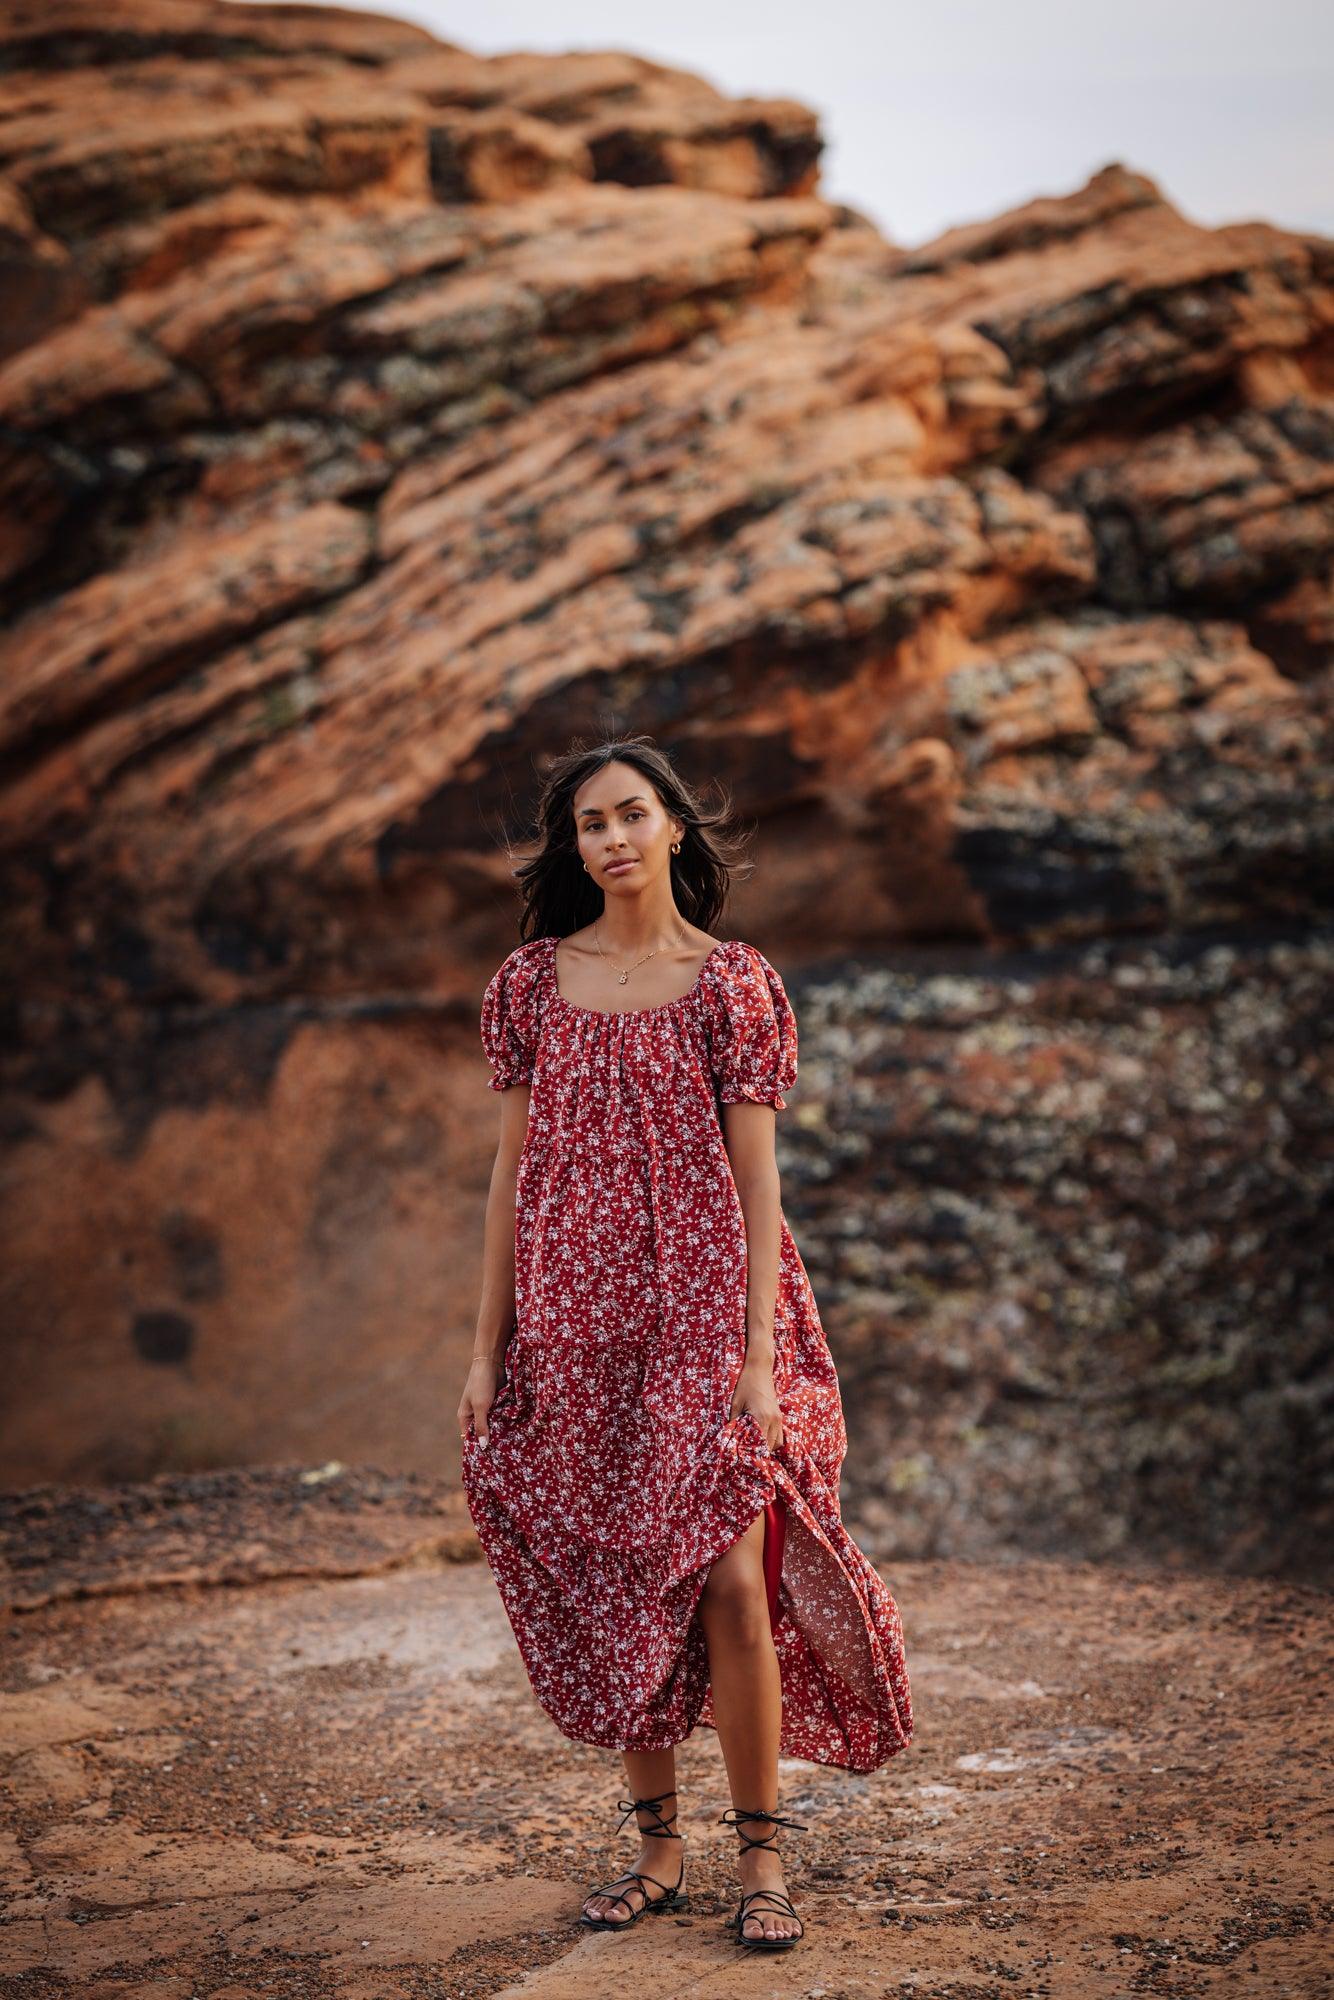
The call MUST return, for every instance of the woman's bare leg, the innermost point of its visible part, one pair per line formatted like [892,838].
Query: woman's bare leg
[649,1774]
[748,1711]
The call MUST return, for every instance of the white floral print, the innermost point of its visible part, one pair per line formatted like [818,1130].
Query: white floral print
[612,1477]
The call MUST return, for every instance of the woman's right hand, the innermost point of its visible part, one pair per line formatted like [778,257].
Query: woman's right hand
[478,1395]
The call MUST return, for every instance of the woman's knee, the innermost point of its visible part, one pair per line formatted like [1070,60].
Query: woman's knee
[734,1593]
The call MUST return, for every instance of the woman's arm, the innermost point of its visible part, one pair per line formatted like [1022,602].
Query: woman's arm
[748,1131]
[496,1310]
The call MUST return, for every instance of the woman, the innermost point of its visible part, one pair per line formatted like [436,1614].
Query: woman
[655,1480]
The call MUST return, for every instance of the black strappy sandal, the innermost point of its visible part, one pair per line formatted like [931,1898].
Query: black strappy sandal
[671,1899]
[782,1907]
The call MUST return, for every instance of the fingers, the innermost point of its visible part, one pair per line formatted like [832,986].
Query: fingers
[466,1416]
[772,1428]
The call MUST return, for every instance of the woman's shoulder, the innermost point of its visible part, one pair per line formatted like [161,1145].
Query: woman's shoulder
[737,958]
[738,979]
[511,1013]
[516,983]
[752,1027]
[530,950]
[521,969]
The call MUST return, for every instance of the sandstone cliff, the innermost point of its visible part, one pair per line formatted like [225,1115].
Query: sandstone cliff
[373,416]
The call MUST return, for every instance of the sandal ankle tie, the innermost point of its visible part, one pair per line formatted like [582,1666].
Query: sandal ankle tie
[734,1816]
[630,1805]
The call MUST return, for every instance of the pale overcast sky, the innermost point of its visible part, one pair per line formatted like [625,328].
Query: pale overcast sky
[942,113]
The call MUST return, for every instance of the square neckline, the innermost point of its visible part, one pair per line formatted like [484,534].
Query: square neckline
[628,1013]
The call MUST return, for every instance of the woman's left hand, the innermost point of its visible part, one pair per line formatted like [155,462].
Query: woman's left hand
[754,1391]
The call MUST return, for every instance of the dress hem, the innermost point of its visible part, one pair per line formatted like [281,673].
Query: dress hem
[760,1476]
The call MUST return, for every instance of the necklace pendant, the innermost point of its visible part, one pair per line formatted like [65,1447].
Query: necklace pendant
[624,977]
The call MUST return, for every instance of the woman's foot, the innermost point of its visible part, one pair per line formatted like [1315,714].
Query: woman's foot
[659,1859]
[765,1915]
[761,1870]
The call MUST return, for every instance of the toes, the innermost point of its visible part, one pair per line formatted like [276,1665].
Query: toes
[769,1927]
[603,1907]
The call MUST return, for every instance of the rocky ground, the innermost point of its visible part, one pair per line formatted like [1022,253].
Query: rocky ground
[269,1735]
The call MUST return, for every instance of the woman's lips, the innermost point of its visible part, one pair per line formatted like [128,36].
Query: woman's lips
[618,867]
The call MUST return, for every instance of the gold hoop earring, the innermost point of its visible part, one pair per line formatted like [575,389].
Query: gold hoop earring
[676,847]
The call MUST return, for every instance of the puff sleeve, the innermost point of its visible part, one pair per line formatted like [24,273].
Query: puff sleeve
[509,1020]
[752,1030]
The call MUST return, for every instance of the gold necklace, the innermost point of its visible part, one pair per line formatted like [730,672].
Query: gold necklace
[624,975]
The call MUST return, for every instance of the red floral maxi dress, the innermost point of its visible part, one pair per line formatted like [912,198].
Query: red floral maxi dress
[613,1477]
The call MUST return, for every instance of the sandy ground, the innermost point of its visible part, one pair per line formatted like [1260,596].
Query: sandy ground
[337,1782]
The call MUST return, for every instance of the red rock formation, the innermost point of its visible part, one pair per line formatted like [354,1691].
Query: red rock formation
[374,415]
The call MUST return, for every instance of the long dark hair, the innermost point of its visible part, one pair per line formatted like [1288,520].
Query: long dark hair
[560,896]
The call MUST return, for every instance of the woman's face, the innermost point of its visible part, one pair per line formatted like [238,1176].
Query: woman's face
[622,825]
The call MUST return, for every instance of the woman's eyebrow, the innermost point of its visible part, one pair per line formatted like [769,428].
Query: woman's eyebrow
[636,798]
